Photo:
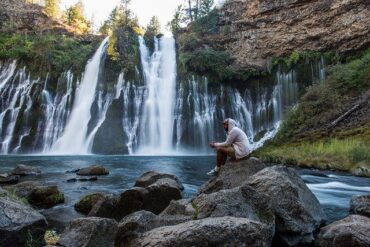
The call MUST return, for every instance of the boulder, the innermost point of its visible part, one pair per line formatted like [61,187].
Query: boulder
[219,231]
[352,231]
[24,189]
[360,205]
[180,208]
[131,226]
[18,221]
[93,171]
[240,202]
[45,196]
[9,179]
[89,232]
[232,175]
[298,212]
[24,170]
[106,208]
[152,177]
[86,203]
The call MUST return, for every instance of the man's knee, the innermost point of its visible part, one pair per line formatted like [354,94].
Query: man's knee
[221,150]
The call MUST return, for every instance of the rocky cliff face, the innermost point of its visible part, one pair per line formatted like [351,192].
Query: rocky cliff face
[254,31]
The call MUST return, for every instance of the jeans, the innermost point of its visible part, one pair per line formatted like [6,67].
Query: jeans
[223,153]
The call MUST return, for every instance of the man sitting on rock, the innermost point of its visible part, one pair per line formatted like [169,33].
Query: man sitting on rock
[235,146]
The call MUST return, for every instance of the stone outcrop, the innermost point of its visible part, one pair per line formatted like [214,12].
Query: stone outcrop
[89,232]
[152,177]
[6,178]
[360,205]
[253,31]
[298,212]
[86,203]
[352,231]
[18,221]
[219,231]
[24,189]
[45,197]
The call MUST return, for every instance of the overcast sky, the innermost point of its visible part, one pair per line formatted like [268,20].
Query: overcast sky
[144,9]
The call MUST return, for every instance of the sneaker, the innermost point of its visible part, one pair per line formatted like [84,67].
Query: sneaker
[212,172]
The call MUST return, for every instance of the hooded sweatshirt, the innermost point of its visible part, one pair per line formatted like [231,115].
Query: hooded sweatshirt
[237,139]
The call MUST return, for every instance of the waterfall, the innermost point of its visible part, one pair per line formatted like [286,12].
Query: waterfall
[160,77]
[73,139]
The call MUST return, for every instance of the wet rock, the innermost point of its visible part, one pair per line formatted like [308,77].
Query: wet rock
[24,170]
[93,171]
[131,226]
[360,205]
[86,203]
[73,171]
[232,175]
[361,170]
[17,221]
[74,180]
[89,232]
[106,208]
[352,231]
[24,189]
[219,231]
[152,177]
[45,197]
[9,179]
[298,212]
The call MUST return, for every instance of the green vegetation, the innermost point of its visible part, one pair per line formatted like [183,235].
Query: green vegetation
[52,8]
[196,212]
[47,53]
[305,139]
[75,17]
[33,241]
[12,194]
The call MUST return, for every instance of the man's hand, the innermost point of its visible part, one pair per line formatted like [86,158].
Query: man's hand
[212,145]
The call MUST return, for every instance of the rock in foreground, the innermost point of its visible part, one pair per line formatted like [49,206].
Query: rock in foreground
[18,221]
[152,177]
[89,232]
[86,203]
[298,212]
[45,197]
[219,231]
[93,171]
[352,231]
[9,179]
[360,205]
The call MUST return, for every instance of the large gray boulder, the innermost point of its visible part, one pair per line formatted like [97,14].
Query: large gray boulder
[18,221]
[131,226]
[218,231]
[360,205]
[298,212]
[24,170]
[106,208]
[232,175]
[89,232]
[152,177]
[352,231]
[93,171]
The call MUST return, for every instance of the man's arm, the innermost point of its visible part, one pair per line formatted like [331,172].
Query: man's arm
[230,139]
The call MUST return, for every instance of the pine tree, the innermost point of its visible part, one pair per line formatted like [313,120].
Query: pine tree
[154,26]
[52,8]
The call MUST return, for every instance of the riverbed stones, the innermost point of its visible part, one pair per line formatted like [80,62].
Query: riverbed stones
[298,212]
[45,197]
[24,170]
[152,177]
[74,180]
[89,232]
[95,170]
[18,221]
[106,208]
[86,203]
[352,231]
[232,175]
[218,231]
[360,205]
[24,189]
[6,178]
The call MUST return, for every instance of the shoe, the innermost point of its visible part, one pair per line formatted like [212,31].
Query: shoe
[212,172]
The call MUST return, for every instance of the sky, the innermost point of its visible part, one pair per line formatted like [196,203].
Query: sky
[143,9]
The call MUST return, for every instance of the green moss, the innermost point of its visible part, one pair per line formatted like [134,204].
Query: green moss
[46,53]
[196,212]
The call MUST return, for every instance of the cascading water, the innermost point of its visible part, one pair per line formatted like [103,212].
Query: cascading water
[161,114]
[73,139]
[160,77]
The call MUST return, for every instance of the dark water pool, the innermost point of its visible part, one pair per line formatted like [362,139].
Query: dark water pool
[333,190]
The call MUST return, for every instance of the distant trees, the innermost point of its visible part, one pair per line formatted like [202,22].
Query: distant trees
[52,8]
[75,17]
[154,26]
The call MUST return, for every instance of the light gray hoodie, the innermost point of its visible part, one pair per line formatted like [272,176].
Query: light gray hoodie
[237,139]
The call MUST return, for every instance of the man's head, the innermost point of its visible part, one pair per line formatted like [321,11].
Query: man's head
[225,124]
